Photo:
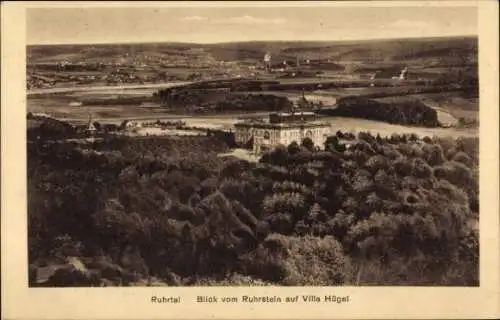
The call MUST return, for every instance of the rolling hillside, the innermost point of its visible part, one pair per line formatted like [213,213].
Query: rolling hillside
[427,51]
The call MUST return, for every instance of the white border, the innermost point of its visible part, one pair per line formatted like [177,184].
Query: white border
[20,302]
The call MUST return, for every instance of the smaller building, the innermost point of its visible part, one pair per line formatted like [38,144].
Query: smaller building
[292,117]
[90,129]
[281,129]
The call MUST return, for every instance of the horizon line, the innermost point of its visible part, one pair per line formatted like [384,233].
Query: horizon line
[252,41]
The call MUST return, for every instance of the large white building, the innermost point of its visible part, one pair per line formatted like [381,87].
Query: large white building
[281,129]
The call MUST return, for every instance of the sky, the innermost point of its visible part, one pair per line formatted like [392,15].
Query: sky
[228,24]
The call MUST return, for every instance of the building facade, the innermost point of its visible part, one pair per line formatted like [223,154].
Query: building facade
[262,136]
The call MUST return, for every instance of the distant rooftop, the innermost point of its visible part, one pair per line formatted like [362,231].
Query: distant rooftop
[289,114]
[284,120]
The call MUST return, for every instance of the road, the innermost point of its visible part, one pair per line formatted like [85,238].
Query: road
[104,88]
[121,87]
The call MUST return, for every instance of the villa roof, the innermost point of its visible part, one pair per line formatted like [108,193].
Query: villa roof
[301,113]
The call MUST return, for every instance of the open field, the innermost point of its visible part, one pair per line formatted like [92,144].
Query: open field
[116,114]
[453,103]
[160,132]
[243,154]
[62,110]
[384,129]
[105,88]
[112,93]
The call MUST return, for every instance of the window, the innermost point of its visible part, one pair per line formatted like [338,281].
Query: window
[266,135]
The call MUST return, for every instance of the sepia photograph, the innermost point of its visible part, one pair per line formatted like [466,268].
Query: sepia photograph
[250,159]
[252,146]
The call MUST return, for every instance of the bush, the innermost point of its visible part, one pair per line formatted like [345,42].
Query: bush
[308,144]
[420,169]
[376,163]
[367,136]
[403,166]
[463,158]
[456,173]
[433,154]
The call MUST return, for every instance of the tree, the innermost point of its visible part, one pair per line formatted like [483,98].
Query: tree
[293,148]
[332,144]
[281,210]
[97,125]
[278,156]
[117,229]
[308,144]
[421,169]
[229,224]
[462,157]
[298,261]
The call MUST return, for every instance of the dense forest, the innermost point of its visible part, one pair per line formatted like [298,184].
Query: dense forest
[410,112]
[366,210]
[235,102]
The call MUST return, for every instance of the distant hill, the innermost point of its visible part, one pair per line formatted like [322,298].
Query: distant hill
[426,51]
[396,50]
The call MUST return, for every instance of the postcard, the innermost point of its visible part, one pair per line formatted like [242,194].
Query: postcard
[233,160]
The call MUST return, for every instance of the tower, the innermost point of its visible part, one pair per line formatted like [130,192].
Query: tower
[404,74]
[267,61]
[91,129]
